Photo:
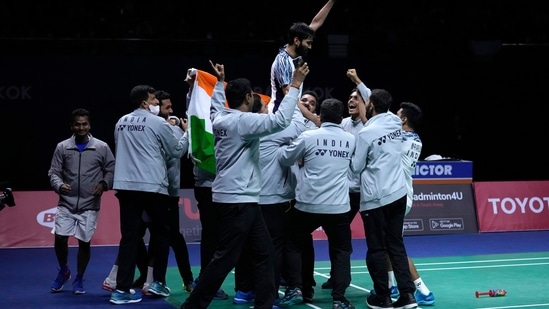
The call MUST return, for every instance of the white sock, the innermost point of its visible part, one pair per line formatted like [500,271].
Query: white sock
[112,274]
[150,278]
[421,287]
[392,281]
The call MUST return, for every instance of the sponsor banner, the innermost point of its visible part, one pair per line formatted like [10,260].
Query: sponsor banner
[29,223]
[441,209]
[443,172]
[512,206]
[438,209]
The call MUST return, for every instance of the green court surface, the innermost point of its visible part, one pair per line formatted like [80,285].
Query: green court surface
[453,280]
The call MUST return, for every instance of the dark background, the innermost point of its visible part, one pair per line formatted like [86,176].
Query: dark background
[479,69]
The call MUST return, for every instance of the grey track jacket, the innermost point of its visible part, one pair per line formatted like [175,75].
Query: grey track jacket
[82,171]
[279,182]
[236,138]
[322,185]
[143,142]
[378,160]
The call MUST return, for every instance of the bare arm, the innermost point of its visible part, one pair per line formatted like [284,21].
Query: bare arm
[320,17]
[309,115]
[306,113]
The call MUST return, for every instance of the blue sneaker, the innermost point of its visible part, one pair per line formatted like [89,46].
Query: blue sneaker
[78,286]
[424,300]
[394,292]
[119,297]
[63,276]
[160,289]
[242,298]
[291,297]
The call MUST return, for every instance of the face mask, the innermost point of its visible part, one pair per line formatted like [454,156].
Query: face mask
[154,109]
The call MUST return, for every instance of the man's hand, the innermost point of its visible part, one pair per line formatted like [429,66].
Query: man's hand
[351,73]
[299,75]
[184,124]
[190,79]
[99,188]
[65,189]
[219,71]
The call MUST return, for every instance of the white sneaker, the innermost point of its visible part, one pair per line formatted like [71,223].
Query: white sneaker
[109,285]
[145,289]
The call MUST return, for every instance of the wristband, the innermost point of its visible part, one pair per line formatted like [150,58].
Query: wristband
[292,85]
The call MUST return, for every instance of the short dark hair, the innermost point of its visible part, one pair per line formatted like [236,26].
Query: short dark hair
[258,103]
[140,93]
[79,112]
[331,110]
[300,30]
[311,93]
[162,95]
[359,93]
[381,99]
[413,113]
[236,91]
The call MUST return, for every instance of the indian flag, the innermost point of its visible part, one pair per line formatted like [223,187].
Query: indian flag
[201,140]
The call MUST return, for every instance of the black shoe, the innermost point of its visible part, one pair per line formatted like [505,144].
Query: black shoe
[327,285]
[405,301]
[342,304]
[308,294]
[376,303]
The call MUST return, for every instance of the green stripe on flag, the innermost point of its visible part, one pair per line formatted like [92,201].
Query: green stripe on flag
[202,146]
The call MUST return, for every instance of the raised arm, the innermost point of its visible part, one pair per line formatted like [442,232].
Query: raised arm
[364,92]
[191,77]
[218,96]
[320,17]
[309,115]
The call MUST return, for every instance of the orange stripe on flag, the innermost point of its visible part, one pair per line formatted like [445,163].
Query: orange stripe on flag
[264,98]
[207,82]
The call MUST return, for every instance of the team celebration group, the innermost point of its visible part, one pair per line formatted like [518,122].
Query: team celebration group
[283,169]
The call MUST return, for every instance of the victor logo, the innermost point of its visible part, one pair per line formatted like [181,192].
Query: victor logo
[432,170]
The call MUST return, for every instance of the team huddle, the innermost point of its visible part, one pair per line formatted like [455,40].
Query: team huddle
[281,172]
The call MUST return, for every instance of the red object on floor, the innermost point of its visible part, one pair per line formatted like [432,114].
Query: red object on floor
[491,293]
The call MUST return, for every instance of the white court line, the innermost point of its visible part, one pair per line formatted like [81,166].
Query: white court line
[518,306]
[456,268]
[463,262]
[468,267]
[486,261]
[353,286]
